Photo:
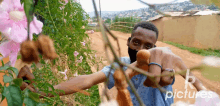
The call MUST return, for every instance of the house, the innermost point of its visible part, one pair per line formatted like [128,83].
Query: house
[200,29]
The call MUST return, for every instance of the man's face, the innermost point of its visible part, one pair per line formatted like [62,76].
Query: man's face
[142,39]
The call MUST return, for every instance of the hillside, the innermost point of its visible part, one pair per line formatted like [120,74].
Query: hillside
[146,13]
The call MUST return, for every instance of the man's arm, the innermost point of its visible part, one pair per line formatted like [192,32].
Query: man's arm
[197,84]
[79,83]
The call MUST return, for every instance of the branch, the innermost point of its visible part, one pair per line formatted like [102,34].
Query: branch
[153,7]
[107,43]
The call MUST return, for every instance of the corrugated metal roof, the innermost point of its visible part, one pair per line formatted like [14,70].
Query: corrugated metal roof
[207,12]
[155,18]
[185,13]
[174,13]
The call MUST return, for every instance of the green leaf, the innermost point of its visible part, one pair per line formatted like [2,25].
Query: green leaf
[51,86]
[18,81]
[10,73]
[29,9]
[15,70]
[3,63]
[4,67]
[3,97]
[2,89]
[28,81]
[13,95]
[7,79]
[210,72]
[19,57]
[34,96]
[42,104]
[29,102]
[26,92]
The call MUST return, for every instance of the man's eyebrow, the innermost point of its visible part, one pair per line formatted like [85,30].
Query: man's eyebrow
[136,39]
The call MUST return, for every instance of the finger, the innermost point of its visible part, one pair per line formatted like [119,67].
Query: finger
[30,76]
[166,80]
[25,74]
[180,65]
[22,72]
[167,65]
[154,69]
[24,85]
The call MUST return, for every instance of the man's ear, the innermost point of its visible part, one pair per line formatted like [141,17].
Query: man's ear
[128,41]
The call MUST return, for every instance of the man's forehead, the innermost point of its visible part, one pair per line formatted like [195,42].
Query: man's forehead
[144,31]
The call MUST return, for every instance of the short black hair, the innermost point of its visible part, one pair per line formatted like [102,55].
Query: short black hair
[146,25]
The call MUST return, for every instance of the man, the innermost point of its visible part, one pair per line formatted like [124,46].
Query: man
[162,60]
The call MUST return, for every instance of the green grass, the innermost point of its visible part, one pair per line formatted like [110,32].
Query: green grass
[203,52]
[96,29]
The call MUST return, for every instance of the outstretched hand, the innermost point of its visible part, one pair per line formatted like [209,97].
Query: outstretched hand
[25,74]
[163,61]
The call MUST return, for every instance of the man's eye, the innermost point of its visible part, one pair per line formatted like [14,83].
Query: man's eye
[148,46]
[136,42]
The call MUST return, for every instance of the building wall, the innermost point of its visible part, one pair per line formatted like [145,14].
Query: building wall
[192,31]
[207,32]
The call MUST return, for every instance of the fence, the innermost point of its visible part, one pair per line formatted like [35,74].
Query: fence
[123,26]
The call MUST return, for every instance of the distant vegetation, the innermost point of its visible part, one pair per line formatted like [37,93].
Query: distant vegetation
[124,24]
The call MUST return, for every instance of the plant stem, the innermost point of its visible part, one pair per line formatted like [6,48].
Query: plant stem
[51,16]
[107,42]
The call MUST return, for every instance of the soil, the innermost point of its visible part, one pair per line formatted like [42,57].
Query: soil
[189,59]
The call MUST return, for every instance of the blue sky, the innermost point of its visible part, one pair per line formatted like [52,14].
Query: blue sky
[119,5]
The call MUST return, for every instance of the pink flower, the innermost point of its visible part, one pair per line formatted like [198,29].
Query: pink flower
[13,22]
[92,31]
[76,74]
[80,59]
[207,98]
[65,78]
[76,53]
[62,7]
[13,25]
[83,43]
[95,55]
[11,49]
[66,1]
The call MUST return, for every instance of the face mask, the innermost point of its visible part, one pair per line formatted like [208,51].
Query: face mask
[132,54]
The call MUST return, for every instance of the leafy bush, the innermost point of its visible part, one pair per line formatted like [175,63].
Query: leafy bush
[64,24]
[124,24]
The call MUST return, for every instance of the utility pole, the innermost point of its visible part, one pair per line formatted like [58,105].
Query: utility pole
[100,8]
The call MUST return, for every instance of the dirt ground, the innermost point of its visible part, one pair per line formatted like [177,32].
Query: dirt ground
[189,59]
